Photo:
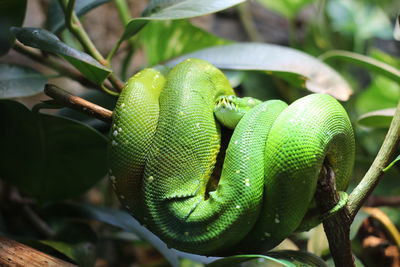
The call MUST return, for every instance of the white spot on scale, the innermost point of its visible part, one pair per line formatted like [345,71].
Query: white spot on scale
[115,133]
[238,206]
[120,129]
[198,125]
[122,105]
[236,142]
[237,171]
[114,143]
[150,179]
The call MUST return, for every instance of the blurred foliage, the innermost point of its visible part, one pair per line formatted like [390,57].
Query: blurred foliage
[55,164]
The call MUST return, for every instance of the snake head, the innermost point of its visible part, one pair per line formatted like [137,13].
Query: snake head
[230,109]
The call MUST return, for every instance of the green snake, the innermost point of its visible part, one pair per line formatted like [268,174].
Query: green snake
[165,142]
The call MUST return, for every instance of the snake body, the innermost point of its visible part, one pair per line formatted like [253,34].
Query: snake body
[164,145]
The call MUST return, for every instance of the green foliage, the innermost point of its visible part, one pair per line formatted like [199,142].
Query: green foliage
[12,13]
[47,41]
[49,157]
[20,81]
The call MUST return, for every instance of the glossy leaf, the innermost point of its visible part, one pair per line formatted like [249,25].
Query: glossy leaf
[47,41]
[117,218]
[163,40]
[298,68]
[83,254]
[377,119]
[46,156]
[20,81]
[12,13]
[175,9]
[287,8]
[55,14]
[365,62]
[283,257]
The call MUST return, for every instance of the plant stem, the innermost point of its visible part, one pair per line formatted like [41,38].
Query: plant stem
[248,23]
[375,172]
[75,26]
[337,226]
[125,16]
[51,63]
[66,99]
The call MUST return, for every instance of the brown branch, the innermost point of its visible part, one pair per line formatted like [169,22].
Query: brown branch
[337,226]
[13,253]
[66,99]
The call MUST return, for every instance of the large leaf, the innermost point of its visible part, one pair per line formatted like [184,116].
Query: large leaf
[365,62]
[298,68]
[20,81]
[163,40]
[175,9]
[287,8]
[46,156]
[116,218]
[83,254]
[47,41]
[12,13]
[55,14]
[377,119]
[283,258]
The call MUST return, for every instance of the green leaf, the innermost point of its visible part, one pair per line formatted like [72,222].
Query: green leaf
[365,62]
[298,68]
[55,14]
[283,257]
[392,164]
[47,41]
[20,81]
[83,254]
[359,19]
[377,119]
[175,9]
[12,13]
[116,218]
[163,40]
[382,93]
[287,8]
[49,157]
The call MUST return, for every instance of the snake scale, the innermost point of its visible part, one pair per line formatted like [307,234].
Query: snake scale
[165,140]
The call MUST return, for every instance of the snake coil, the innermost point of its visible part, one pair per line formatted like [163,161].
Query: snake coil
[165,142]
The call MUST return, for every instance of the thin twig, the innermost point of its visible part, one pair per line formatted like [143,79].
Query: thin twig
[50,62]
[375,172]
[76,28]
[337,226]
[66,99]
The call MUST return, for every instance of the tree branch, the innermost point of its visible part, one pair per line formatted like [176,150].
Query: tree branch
[375,172]
[337,226]
[13,253]
[66,99]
